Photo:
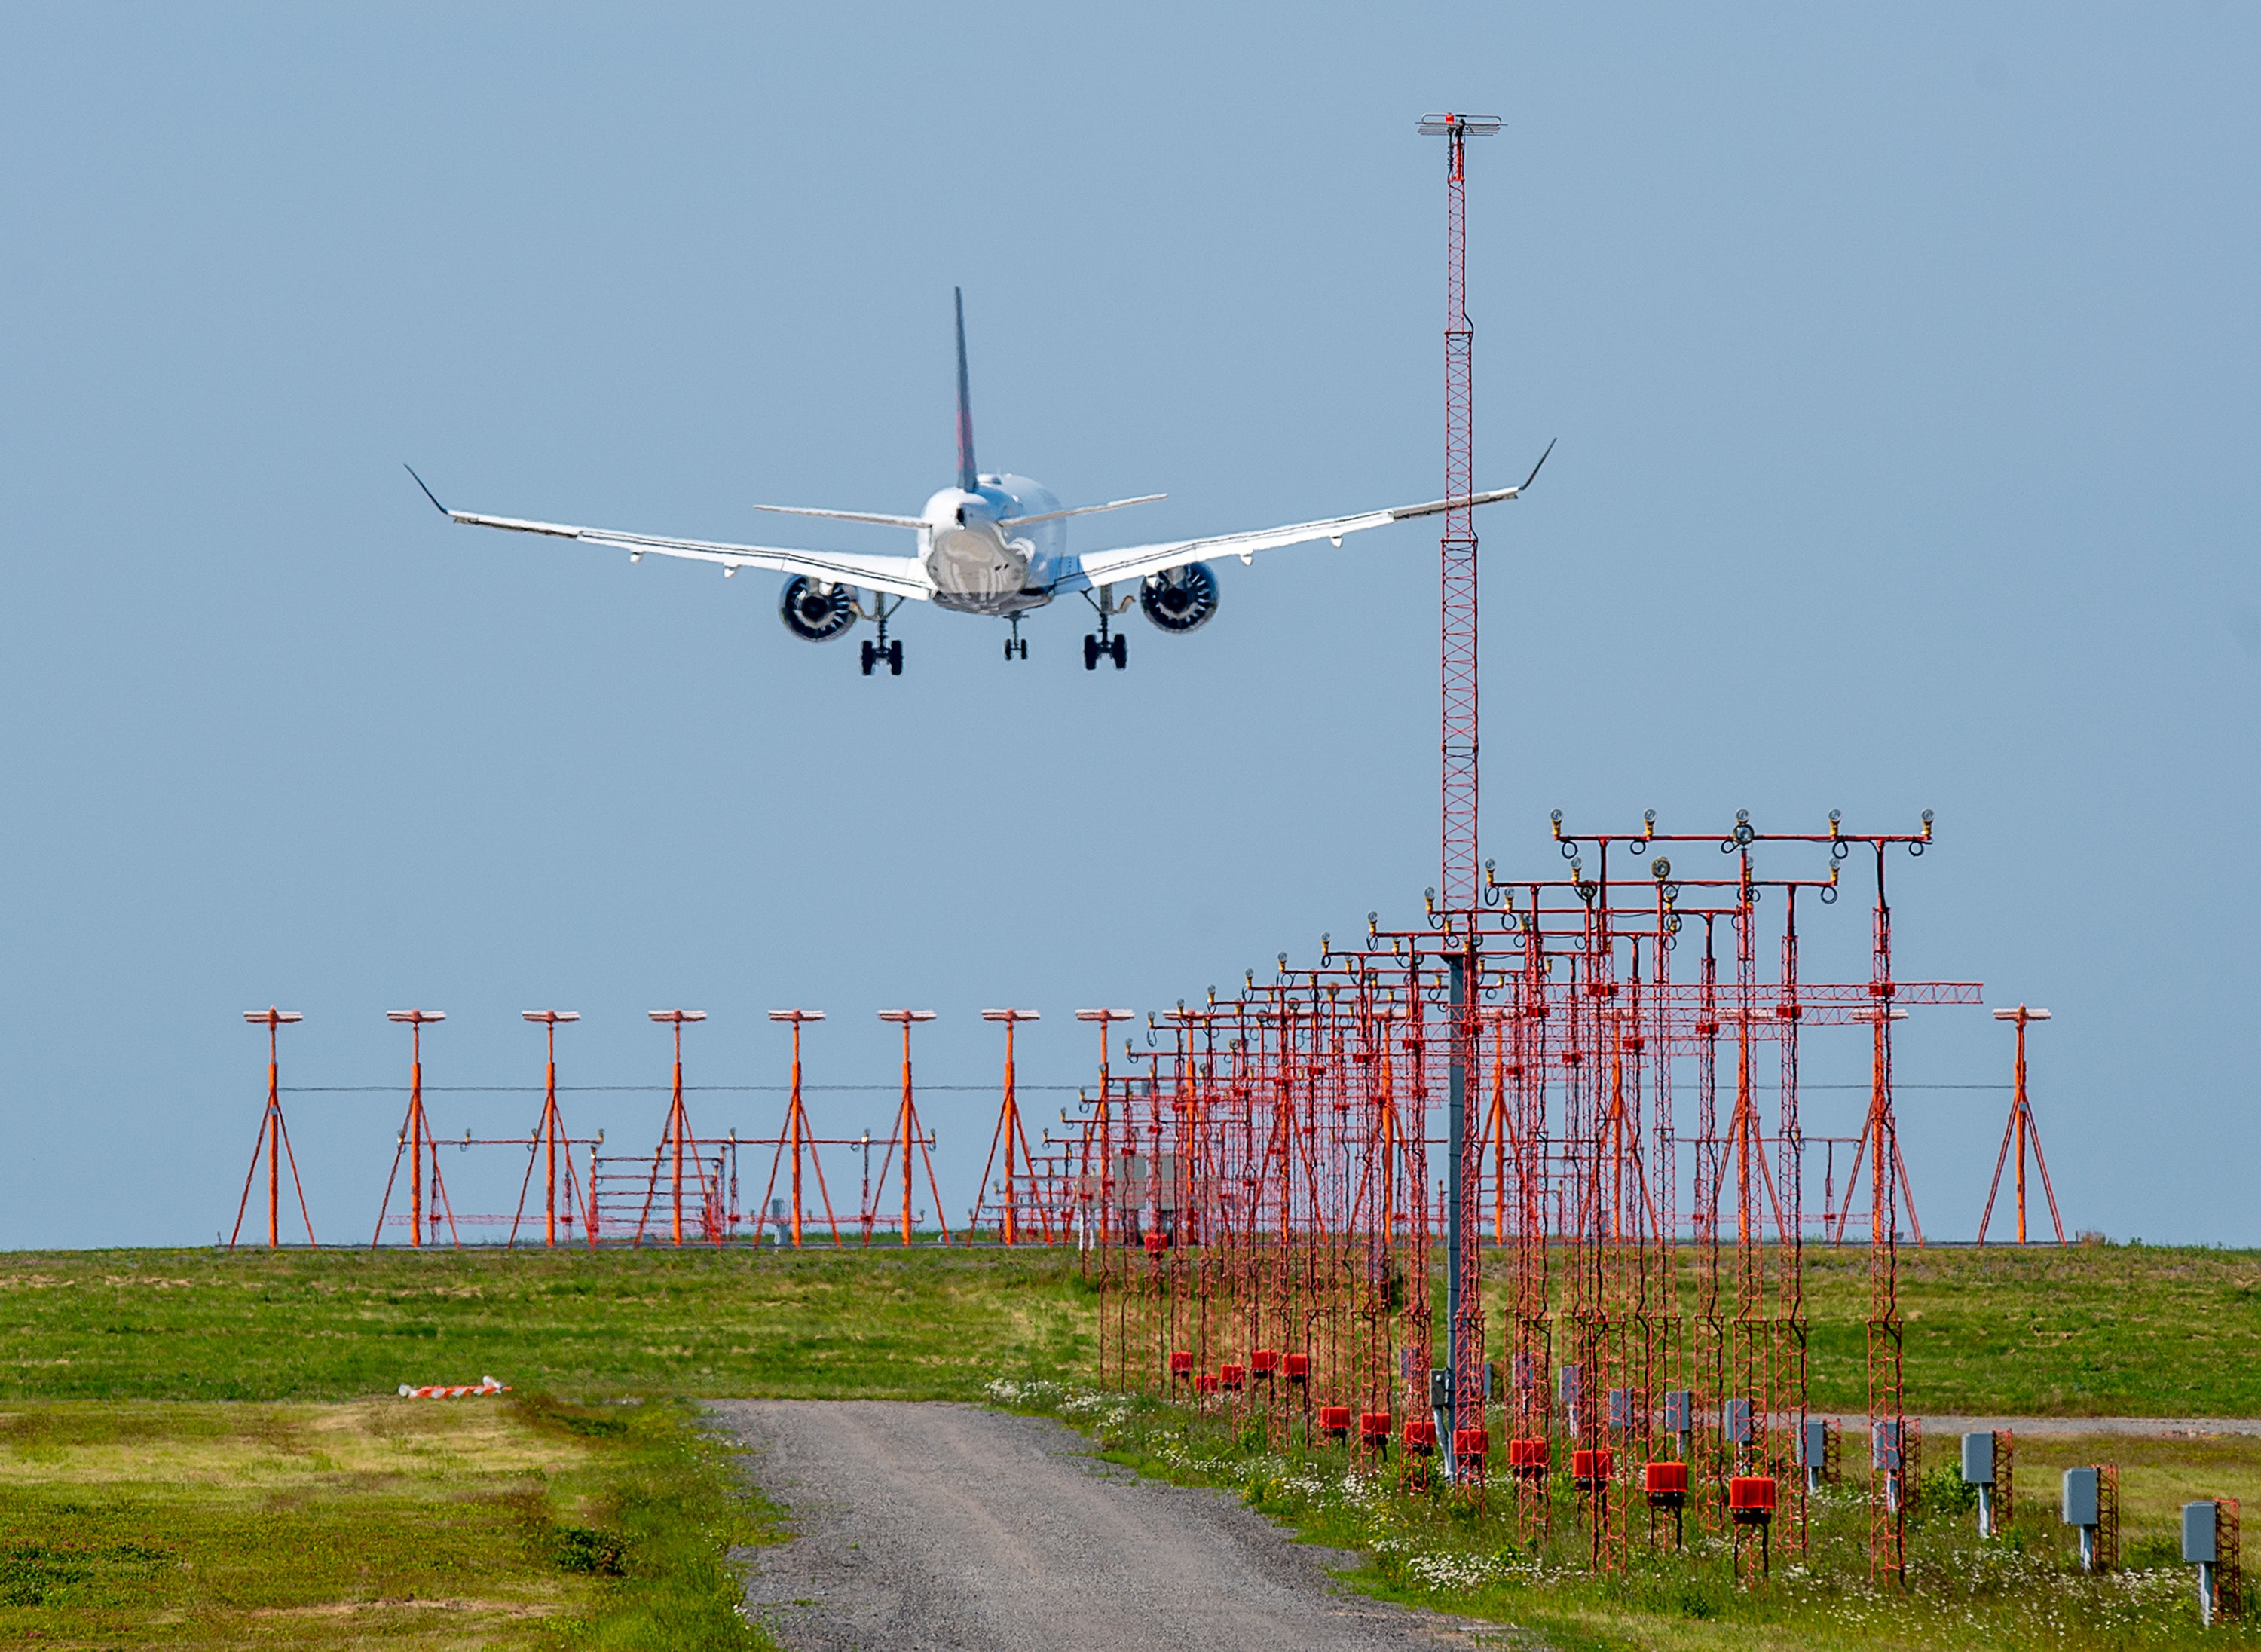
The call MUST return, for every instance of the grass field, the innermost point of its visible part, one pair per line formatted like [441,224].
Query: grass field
[324,1525]
[202,1449]
[497,1522]
[335,1325]
[2081,1330]
[2090,1330]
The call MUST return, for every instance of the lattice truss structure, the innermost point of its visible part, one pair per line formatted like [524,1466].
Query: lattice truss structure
[1287,1193]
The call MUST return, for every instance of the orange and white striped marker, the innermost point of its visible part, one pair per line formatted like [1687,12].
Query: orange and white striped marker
[441,1390]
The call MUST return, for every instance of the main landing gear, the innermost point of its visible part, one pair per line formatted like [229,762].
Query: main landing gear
[1104,645]
[883,650]
[1017,646]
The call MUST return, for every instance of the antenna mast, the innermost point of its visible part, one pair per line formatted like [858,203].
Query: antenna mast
[1457,885]
[1459,1407]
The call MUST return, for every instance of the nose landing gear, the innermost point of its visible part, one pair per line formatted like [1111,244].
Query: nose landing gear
[1016,647]
[1104,645]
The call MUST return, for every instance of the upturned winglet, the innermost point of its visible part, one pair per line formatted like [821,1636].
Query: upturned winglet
[428,493]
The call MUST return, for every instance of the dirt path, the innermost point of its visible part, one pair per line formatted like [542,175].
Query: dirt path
[930,1526]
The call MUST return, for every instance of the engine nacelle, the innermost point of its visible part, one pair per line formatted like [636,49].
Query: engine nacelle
[816,611]
[1181,600]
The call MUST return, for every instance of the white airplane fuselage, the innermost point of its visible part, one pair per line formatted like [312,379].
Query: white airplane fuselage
[980,563]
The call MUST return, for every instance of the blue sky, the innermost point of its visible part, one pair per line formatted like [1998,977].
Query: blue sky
[1903,364]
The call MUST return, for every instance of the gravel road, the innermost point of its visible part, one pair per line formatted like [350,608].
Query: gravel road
[928,1527]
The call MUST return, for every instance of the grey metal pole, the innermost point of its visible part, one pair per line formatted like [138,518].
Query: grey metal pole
[1456,1120]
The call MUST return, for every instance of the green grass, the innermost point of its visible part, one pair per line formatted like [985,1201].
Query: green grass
[334,1324]
[667,1508]
[506,1523]
[2088,1329]
[2093,1329]
[2079,1330]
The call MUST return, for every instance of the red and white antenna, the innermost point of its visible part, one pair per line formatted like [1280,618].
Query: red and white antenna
[1457,884]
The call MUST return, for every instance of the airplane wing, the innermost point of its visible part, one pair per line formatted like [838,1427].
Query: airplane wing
[1136,562]
[897,576]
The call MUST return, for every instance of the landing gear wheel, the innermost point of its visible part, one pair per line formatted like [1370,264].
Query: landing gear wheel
[895,658]
[1119,648]
[871,655]
[1090,652]
[1024,646]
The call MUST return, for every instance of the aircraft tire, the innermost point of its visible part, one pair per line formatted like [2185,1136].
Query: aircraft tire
[895,658]
[1120,648]
[1090,652]
[869,654]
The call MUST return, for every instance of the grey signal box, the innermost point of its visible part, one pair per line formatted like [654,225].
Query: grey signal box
[1573,1387]
[1813,1444]
[2082,1504]
[1979,1459]
[1884,1448]
[2199,1534]
[1440,1388]
[1735,1422]
[1679,1412]
[1620,1408]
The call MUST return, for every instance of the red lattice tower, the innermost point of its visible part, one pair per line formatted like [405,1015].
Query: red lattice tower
[1458,883]
[1894,1465]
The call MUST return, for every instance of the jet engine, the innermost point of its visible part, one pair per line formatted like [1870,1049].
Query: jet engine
[1180,599]
[814,611]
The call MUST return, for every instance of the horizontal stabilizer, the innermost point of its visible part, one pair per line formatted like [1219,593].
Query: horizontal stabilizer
[1081,510]
[880,517]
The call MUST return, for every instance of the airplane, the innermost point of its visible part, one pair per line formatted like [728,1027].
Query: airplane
[994,544]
